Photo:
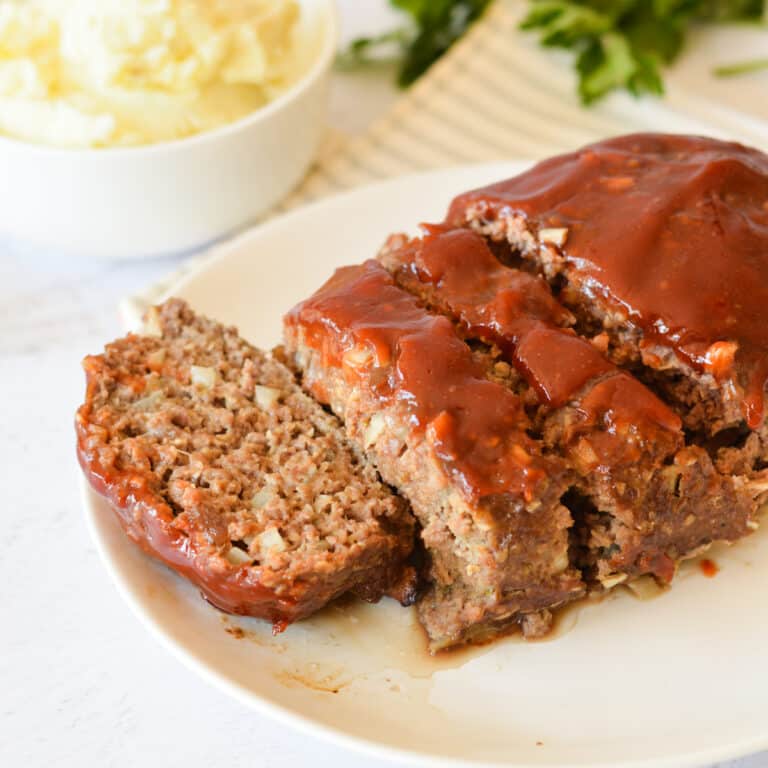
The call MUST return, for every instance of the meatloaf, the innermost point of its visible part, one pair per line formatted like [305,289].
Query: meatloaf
[600,321]
[642,499]
[432,416]
[660,242]
[219,465]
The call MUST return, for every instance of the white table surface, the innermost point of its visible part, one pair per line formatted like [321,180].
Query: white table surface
[81,682]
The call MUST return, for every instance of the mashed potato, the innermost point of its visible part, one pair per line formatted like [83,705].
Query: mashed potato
[98,73]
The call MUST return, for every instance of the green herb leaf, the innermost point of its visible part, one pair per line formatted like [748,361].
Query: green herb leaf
[731,10]
[431,28]
[617,44]
[741,68]
[380,50]
[606,64]
[565,23]
[623,44]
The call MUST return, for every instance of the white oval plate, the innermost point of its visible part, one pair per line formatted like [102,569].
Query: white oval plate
[681,680]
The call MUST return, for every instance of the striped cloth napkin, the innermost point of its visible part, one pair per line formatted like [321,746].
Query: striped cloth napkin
[497,95]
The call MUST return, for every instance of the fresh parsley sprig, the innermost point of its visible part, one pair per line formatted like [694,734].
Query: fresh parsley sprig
[431,28]
[626,43]
[618,44]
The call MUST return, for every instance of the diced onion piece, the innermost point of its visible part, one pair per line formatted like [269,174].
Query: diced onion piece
[152,325]
[357,357]
[686,457]
[561,562]
[671,476]
[613,579]
[266,397]
[554,236]
[645,588]
[237,556]
[156,358]
[271,541]
[374,429]
[757,485]
[262,497]
[203,376]
[585,454]
[150,401]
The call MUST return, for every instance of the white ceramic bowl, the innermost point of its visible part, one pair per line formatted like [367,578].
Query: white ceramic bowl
[173,196]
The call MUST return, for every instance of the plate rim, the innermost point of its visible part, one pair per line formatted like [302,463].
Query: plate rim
[285,714]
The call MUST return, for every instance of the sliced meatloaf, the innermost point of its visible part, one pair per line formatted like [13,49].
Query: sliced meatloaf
[219,465]
[433,418]
[642,498]
[660,242]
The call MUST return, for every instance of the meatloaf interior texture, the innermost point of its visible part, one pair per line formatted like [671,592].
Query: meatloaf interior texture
[217,463]
[566,378]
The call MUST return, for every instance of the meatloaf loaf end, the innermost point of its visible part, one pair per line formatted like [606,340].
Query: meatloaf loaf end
[429,414]
[219,465]
[642,499]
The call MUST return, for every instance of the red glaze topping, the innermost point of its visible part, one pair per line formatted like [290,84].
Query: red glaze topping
[674,231]
[362,322]
[502,300]
[558,364]
[517,312]
[619,407]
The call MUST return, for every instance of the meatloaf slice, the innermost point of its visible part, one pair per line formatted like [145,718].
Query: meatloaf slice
[219,465]
[413,395]
[644,500]
[661,242]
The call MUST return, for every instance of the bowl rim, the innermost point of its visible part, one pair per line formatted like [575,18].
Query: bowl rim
[322,63]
